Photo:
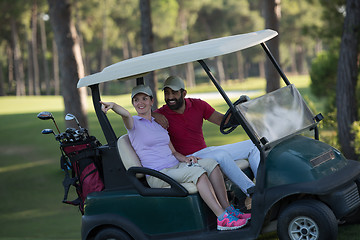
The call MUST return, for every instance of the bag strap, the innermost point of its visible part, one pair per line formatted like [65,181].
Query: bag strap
[67,182]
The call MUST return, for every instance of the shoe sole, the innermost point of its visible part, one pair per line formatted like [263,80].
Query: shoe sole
[221,228]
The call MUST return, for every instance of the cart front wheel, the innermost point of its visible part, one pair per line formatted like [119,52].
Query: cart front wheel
[112,234]
[307,219]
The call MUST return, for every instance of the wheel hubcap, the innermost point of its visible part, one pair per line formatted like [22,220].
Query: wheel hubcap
[303,228]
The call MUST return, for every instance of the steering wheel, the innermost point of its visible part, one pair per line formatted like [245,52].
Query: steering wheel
[232,123]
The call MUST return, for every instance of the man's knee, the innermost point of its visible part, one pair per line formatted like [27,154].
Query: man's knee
[221,156]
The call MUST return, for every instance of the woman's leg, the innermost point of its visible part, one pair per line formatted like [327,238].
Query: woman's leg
[207,193]
[217,180]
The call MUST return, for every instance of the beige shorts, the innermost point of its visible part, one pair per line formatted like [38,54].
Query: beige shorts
[183,173]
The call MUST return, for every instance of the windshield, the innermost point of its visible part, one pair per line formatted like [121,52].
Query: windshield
[277,114]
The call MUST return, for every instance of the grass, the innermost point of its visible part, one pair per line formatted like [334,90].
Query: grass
[30,178]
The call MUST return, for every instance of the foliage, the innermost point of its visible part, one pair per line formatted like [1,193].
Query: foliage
[356,131]
[324,67]
[164,26]
[299,21]
[109,31]
[323,74]
[333,13]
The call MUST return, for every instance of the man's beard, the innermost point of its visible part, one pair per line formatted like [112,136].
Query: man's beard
[178,103]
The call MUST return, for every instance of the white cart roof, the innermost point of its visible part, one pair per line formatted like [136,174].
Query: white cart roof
[139,66]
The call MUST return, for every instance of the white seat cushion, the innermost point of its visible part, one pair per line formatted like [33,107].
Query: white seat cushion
[127,154]
[131,159]
[242,163]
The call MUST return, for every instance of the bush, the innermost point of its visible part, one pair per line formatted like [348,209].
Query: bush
[323,74]
[355,129]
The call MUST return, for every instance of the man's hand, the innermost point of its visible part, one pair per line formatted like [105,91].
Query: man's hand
[160,119]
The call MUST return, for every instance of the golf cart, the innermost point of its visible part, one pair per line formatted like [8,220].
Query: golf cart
[303,186]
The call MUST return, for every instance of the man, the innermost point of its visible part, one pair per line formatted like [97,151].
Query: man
[184,120]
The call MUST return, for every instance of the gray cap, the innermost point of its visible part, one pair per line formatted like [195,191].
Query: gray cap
[175,83]
[141,89]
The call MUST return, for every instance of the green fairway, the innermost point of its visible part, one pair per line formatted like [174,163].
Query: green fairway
[30,176]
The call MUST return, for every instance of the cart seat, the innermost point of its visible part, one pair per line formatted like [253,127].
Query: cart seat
[130,159]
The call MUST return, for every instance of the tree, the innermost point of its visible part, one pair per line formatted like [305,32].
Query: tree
[147,39]
[299,41]
[347,76]
[44,53]
[70,59]
[18,63]
[272,12]
[208,21]
[34,49]
[2,82]
[56,68]
[236,17]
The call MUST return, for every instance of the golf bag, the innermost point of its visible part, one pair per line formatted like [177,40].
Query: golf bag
[82,158]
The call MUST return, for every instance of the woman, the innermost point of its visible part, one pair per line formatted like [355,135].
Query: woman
[152,144]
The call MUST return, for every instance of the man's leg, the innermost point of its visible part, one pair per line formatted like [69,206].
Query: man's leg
[242,150]
[228,166]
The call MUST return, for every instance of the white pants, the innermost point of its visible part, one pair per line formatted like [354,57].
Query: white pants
[226,155]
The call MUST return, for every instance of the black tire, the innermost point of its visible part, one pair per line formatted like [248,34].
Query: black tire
[307,219]
[112,234]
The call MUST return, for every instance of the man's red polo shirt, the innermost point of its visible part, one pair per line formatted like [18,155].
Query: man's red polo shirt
[185,129]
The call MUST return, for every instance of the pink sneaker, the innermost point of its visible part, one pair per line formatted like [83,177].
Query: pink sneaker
[229,222]
[238,214]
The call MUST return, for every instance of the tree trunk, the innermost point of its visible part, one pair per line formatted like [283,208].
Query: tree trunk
[45,62]
[300,60]
[240,64]
[272,11]
[10,57]
[104,45]
[104,55]
[292,51]
[190,75]
[70,60]
[147,39]
[30,68]
[2,89]
[78,19]
[262,69]
[347,78]
[34,48]
[18,64]
[189,67]
[56,68]
[220,69]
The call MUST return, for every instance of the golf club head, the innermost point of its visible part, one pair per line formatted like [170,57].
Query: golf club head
[47,131]
[70,116]
[45,116]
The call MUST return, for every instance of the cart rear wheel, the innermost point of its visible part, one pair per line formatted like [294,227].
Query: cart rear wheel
[112,234]
[307,219]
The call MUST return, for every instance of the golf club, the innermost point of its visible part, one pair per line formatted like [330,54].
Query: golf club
[70,116]
[47,116]
[48,131]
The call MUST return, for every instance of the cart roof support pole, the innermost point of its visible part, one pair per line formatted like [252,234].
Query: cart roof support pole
[276,65]
[103,120]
